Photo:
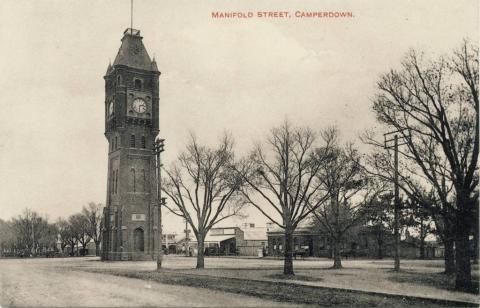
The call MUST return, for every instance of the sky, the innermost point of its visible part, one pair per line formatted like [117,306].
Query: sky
[241,75]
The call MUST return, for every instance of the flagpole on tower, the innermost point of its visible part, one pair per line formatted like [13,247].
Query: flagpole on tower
[131,16]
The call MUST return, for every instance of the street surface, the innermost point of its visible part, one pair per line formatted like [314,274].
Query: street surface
[56,282]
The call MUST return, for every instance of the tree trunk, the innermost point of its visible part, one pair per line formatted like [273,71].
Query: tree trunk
[463,276]
[422,239]
[448,239]
[380,249]
[475,242]
[97,248]
[200,254]
[422,248]
[380,243]
[337,259]
[449,256]
[288,263]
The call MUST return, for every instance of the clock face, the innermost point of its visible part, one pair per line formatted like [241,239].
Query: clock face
[139,105]
[110,108]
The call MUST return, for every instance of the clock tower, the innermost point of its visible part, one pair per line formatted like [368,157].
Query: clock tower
[131,125]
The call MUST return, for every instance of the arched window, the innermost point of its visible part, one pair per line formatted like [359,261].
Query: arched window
[119,79]
[143,142]
[132,141]
[116,181]
[138,84]
[133,179]
[144,179]
[112,182]
[138,239]
[115,142]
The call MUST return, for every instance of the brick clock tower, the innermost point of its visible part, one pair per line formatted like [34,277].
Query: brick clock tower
[131,125]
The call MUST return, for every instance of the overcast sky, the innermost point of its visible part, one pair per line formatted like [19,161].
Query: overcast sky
[240,75]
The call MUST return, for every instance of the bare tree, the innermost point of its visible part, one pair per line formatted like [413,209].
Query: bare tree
[48,241]
[435,106]
[351,193]
[285,179]
[29,228]
[419,218]
[64,232]
[32,233]
[381,221]
[78,227]
[438,201]
[203,188]
[7,238]
[93,214]
[23,226]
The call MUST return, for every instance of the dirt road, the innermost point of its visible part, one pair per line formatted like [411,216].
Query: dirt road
[55,282]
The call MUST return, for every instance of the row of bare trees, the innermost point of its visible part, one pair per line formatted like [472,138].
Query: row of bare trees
[434,108]
[298,174]
[27,234]
[81,228]
[30,234]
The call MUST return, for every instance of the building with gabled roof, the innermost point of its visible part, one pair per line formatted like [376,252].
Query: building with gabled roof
[229,241]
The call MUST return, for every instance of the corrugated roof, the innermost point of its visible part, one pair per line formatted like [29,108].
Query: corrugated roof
[218,238]
[214,238]
[297,230]
[255,235]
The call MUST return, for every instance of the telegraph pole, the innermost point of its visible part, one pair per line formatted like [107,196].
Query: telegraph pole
[396,215]
[159,148]
[33,238]
[397,205]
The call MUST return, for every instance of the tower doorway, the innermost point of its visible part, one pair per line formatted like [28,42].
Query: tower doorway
[138,243]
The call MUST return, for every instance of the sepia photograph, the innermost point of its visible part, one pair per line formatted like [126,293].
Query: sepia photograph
[173,153]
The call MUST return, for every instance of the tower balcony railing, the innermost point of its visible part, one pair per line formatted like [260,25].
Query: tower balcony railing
[132,31]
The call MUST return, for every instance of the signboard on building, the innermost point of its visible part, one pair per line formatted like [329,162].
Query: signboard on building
[138,217]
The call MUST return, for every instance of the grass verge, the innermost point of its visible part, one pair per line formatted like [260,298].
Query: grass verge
[285,291]
[437,280]
[296,277]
